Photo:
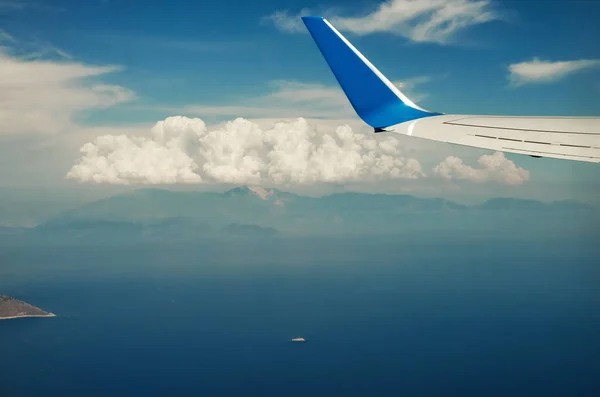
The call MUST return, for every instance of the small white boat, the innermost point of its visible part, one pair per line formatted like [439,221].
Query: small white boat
[298,340]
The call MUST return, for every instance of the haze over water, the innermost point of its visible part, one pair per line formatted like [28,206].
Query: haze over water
[385,318]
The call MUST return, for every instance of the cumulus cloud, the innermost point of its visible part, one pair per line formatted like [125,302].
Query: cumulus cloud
[42,96]
[494,168]
[539,71]
[436,21]
[184,150]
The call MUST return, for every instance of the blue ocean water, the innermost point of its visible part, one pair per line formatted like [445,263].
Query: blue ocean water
[381,318]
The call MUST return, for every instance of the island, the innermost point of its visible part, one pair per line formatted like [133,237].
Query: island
[13,308]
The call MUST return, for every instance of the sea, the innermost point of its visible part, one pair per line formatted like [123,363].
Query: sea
[381,317]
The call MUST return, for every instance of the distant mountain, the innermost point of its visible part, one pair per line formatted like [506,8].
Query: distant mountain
[504,204]
[21,213]
[10,231]
[149,206]
[257,212]
[28,207]
[250,230]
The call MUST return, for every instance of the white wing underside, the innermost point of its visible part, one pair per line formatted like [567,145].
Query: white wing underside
[569,138]
[572,138]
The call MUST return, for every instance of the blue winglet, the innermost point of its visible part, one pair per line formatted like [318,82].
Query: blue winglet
[374,98]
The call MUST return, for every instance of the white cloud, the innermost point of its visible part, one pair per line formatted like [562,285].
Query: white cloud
[494,168]
[6,37]
[291,99]
[436,21]
[288,99]
[41,160]
[11,6]
[408,87]
[43,96]
[6,5]
[288,23]
[184,150]
[539,71]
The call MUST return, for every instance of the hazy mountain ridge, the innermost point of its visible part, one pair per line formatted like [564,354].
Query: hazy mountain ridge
[28,207]
[256,212]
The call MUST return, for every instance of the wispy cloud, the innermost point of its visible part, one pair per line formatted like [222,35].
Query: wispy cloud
[540,71]
[6,37]
[9,6]
[436,21]
[14,5]
[43,96]
[409,87]
[38,50]
[297,99]
[134,41]
[493,168]
[286,22]
[286,99]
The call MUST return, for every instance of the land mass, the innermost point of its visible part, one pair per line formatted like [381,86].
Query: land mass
[245,213]
[13,308]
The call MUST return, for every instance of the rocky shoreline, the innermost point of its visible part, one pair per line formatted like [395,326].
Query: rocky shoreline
[12,308]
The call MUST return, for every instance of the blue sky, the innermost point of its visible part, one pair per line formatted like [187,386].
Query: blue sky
[222,60]
[182,52]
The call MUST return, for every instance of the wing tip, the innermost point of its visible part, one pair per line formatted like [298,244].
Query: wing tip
[374,97]
[312,18]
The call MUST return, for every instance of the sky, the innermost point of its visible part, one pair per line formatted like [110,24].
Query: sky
[120,94]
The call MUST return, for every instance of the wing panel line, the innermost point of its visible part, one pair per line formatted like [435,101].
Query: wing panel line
[551,153]
[534,142]
[519,129]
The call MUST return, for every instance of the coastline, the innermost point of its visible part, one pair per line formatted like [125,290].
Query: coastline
[28,315]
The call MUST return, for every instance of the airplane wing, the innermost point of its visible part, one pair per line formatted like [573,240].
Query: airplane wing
[380,104]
